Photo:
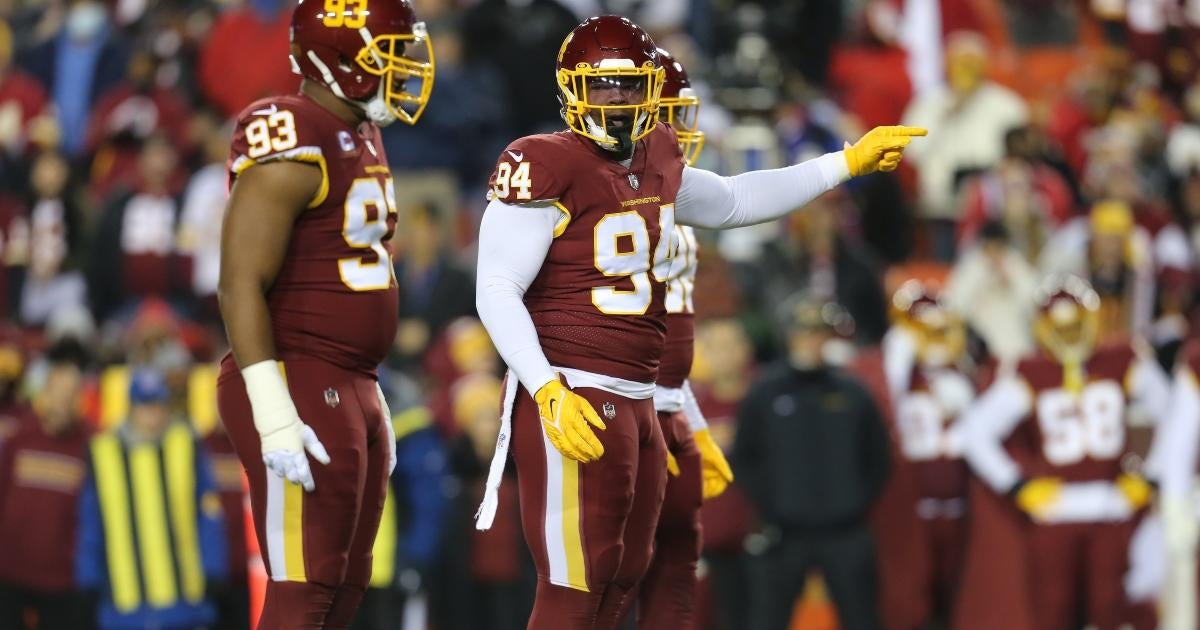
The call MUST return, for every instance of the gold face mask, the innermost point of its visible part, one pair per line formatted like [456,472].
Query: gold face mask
[384,57]
[1068,332]
[683,113]
[590,117]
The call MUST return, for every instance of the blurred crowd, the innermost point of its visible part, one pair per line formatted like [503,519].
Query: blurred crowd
[1064,137]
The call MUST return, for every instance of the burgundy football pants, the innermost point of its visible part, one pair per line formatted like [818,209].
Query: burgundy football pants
[667,592]
[589,527]
[1079,563]
[316,545]
[947,538]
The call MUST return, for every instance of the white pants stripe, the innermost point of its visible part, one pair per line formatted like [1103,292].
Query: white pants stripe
[556,551]
[275,555]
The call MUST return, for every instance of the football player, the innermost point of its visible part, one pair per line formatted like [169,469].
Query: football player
[923,356]
[1178,491]
[309,301]
[696,467]
[574,250]
[1068,464]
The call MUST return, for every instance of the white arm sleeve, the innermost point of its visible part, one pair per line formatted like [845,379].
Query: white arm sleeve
[708,200]
[986,424]
[1180,437]
[513,242]
[691,409]
[899,355]
[1150,389]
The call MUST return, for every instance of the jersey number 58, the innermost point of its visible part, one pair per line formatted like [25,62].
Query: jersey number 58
[1090,425]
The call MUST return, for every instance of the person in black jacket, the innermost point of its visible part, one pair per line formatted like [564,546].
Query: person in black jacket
[815,257]
[812,455]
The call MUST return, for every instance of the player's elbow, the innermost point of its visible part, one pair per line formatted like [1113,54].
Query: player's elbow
[234,287]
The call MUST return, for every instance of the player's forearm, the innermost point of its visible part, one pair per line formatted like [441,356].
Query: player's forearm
[708,200]
[247,321]
[509,325]
[986,424]
[513,243]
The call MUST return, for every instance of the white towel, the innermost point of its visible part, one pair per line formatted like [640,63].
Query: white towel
[491,494]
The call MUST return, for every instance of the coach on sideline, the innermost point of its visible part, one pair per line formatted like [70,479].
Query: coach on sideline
[812,455]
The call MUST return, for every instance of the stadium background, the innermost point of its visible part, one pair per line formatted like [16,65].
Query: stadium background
[114,136]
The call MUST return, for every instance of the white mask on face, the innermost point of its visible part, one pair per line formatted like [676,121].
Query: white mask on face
[85,21]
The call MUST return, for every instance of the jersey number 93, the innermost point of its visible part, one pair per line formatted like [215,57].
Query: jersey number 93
[368,204]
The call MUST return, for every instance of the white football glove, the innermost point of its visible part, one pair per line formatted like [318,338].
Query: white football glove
[285,438]
[391,431]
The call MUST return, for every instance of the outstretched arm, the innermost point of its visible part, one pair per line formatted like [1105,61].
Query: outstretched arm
[708,200]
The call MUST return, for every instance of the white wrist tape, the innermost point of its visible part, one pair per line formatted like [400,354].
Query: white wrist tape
[272,406]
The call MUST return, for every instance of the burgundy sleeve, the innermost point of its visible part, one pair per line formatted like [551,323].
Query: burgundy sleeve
[527,171]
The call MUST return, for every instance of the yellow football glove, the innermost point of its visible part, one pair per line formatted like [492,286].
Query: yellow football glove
[713,468]
[565,417]
[1136,490]
[1038,494]
[880,149]
[672,465]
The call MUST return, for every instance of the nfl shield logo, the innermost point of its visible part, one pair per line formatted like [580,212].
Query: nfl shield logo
[331,397]
[633,181]
[610,410]
[346,141]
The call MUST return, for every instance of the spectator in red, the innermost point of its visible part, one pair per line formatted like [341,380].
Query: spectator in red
[246,56]
[21,99]
[463,349]
[41,472]
[135,254]
[14,412]
[869,75]
[125,116]
[14,250]
[1086,105]
[1029,198]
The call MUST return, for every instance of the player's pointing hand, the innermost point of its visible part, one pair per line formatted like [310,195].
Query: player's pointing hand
[568,419]
[880,149]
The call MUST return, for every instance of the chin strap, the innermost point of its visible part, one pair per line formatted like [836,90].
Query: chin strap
[377,109]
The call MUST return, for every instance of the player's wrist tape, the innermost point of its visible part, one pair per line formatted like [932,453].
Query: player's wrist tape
[272,406]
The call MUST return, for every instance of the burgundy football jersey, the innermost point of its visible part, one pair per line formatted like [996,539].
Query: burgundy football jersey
[598,301]
[927,441]
[335,297]
[1077,437]
[680,347]
[1189,355]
